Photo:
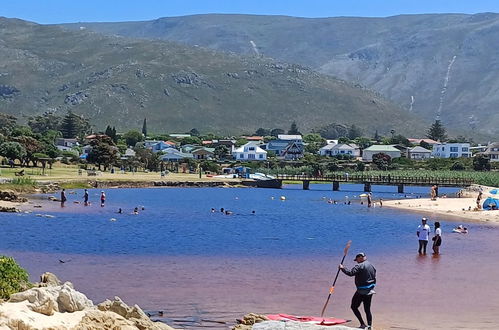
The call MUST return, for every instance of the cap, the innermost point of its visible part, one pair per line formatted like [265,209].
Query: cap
[362,254]
[424,219]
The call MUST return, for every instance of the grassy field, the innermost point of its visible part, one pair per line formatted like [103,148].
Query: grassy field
[72,178]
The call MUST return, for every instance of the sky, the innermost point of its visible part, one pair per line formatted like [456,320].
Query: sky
[66,11]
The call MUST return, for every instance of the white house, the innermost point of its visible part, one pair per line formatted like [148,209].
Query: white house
[451,150]
[340,149]
[66,144]
[249,151]
[367,154]
[326,150]
[418,153]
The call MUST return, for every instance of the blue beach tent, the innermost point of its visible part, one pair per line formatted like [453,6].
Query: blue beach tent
[490,202]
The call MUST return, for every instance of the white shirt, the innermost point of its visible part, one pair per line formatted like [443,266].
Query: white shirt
[424,232]
[438,232]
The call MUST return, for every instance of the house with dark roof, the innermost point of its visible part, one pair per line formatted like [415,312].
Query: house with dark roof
[492,152]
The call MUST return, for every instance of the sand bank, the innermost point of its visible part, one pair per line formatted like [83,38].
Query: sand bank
[452,208]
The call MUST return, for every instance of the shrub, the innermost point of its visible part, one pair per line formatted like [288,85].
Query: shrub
[13,278]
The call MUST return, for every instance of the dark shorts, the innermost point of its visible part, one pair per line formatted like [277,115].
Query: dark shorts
[438,241]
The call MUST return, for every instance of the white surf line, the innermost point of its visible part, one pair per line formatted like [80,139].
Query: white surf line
[254,47]
[446,83]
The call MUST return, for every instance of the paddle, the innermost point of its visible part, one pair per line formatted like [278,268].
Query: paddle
[331,290]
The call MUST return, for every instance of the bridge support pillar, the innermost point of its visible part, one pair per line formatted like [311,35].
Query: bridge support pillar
[306,184]
[336,186]
[400,188]
[367,187]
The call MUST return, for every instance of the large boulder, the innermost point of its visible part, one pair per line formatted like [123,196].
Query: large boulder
[134,314]
[51,299]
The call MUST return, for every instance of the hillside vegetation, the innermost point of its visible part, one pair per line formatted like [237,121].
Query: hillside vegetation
[432,65]
[119,81]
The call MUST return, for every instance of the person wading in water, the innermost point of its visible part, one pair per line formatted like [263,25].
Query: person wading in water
[365,281]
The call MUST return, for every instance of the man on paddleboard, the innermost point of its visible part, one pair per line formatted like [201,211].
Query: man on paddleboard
[365,281]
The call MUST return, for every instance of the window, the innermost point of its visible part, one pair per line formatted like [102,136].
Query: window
[251,148]
[251,156]
[465,155]
[260,156]
[443,148]
[465,149]
[453,155]
[454,149]
[241,155]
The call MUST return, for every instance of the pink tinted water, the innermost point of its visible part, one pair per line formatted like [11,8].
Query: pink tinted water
[455,290]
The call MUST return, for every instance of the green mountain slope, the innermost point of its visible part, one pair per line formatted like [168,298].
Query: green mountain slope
[118,81]
[442,65]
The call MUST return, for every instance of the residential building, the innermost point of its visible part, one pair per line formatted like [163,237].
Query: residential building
[254,138]
[293,151]
[156,146]
[250,151]
[203,153]
[66,144]
[418,141]
[340,149]
[492,152]
[419,153]
[288,137]
[390,150]
[129,153]
[451,150]
[173,155]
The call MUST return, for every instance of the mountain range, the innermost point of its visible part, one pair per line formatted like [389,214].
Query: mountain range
[120,81]
[435,66]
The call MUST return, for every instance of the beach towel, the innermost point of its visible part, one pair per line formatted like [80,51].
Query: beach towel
[307,319]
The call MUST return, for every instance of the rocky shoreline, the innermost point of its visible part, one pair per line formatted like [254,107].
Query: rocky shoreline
[51,304]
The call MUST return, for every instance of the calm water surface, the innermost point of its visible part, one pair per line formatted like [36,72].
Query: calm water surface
[178,257]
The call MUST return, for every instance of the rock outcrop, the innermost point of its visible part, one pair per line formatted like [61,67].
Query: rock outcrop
[55,306]
[11,196]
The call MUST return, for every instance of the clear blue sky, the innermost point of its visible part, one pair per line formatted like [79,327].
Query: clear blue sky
[64,11]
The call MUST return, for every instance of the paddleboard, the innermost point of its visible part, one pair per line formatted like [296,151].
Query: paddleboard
[307,319]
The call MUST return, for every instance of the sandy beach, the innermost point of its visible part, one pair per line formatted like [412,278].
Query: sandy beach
[453,208]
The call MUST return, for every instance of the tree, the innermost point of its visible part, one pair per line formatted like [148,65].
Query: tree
[436,131]
[46,122]
[276,131]
[221,152]
[74,125]
[103,152]
[400,139]
[382,161]
[332,131]
[262,132]
[313,142]
[377,138]
[7,123]
[132,137]
[293,130]
[144,127]
[149,160]
[481,163]
[425,145]
[194,132]
[12,150]
[30,145]
[362,142]
[354,132]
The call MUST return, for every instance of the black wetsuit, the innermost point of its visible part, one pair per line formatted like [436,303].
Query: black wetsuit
[365,281]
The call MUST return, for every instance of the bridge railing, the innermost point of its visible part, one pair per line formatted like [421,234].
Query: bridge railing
[386,179]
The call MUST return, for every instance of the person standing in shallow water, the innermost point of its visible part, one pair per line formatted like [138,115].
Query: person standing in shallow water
[437,238]
[365,281]
[423,234]
[102,198]
[85,197]
[63,197]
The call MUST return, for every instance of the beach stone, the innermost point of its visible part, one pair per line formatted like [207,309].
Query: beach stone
[49,279]
[8,209]
[134,314]
[104,320]
[248,320]
[70,300]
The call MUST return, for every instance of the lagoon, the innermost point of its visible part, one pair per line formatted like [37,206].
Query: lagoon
[178,257]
